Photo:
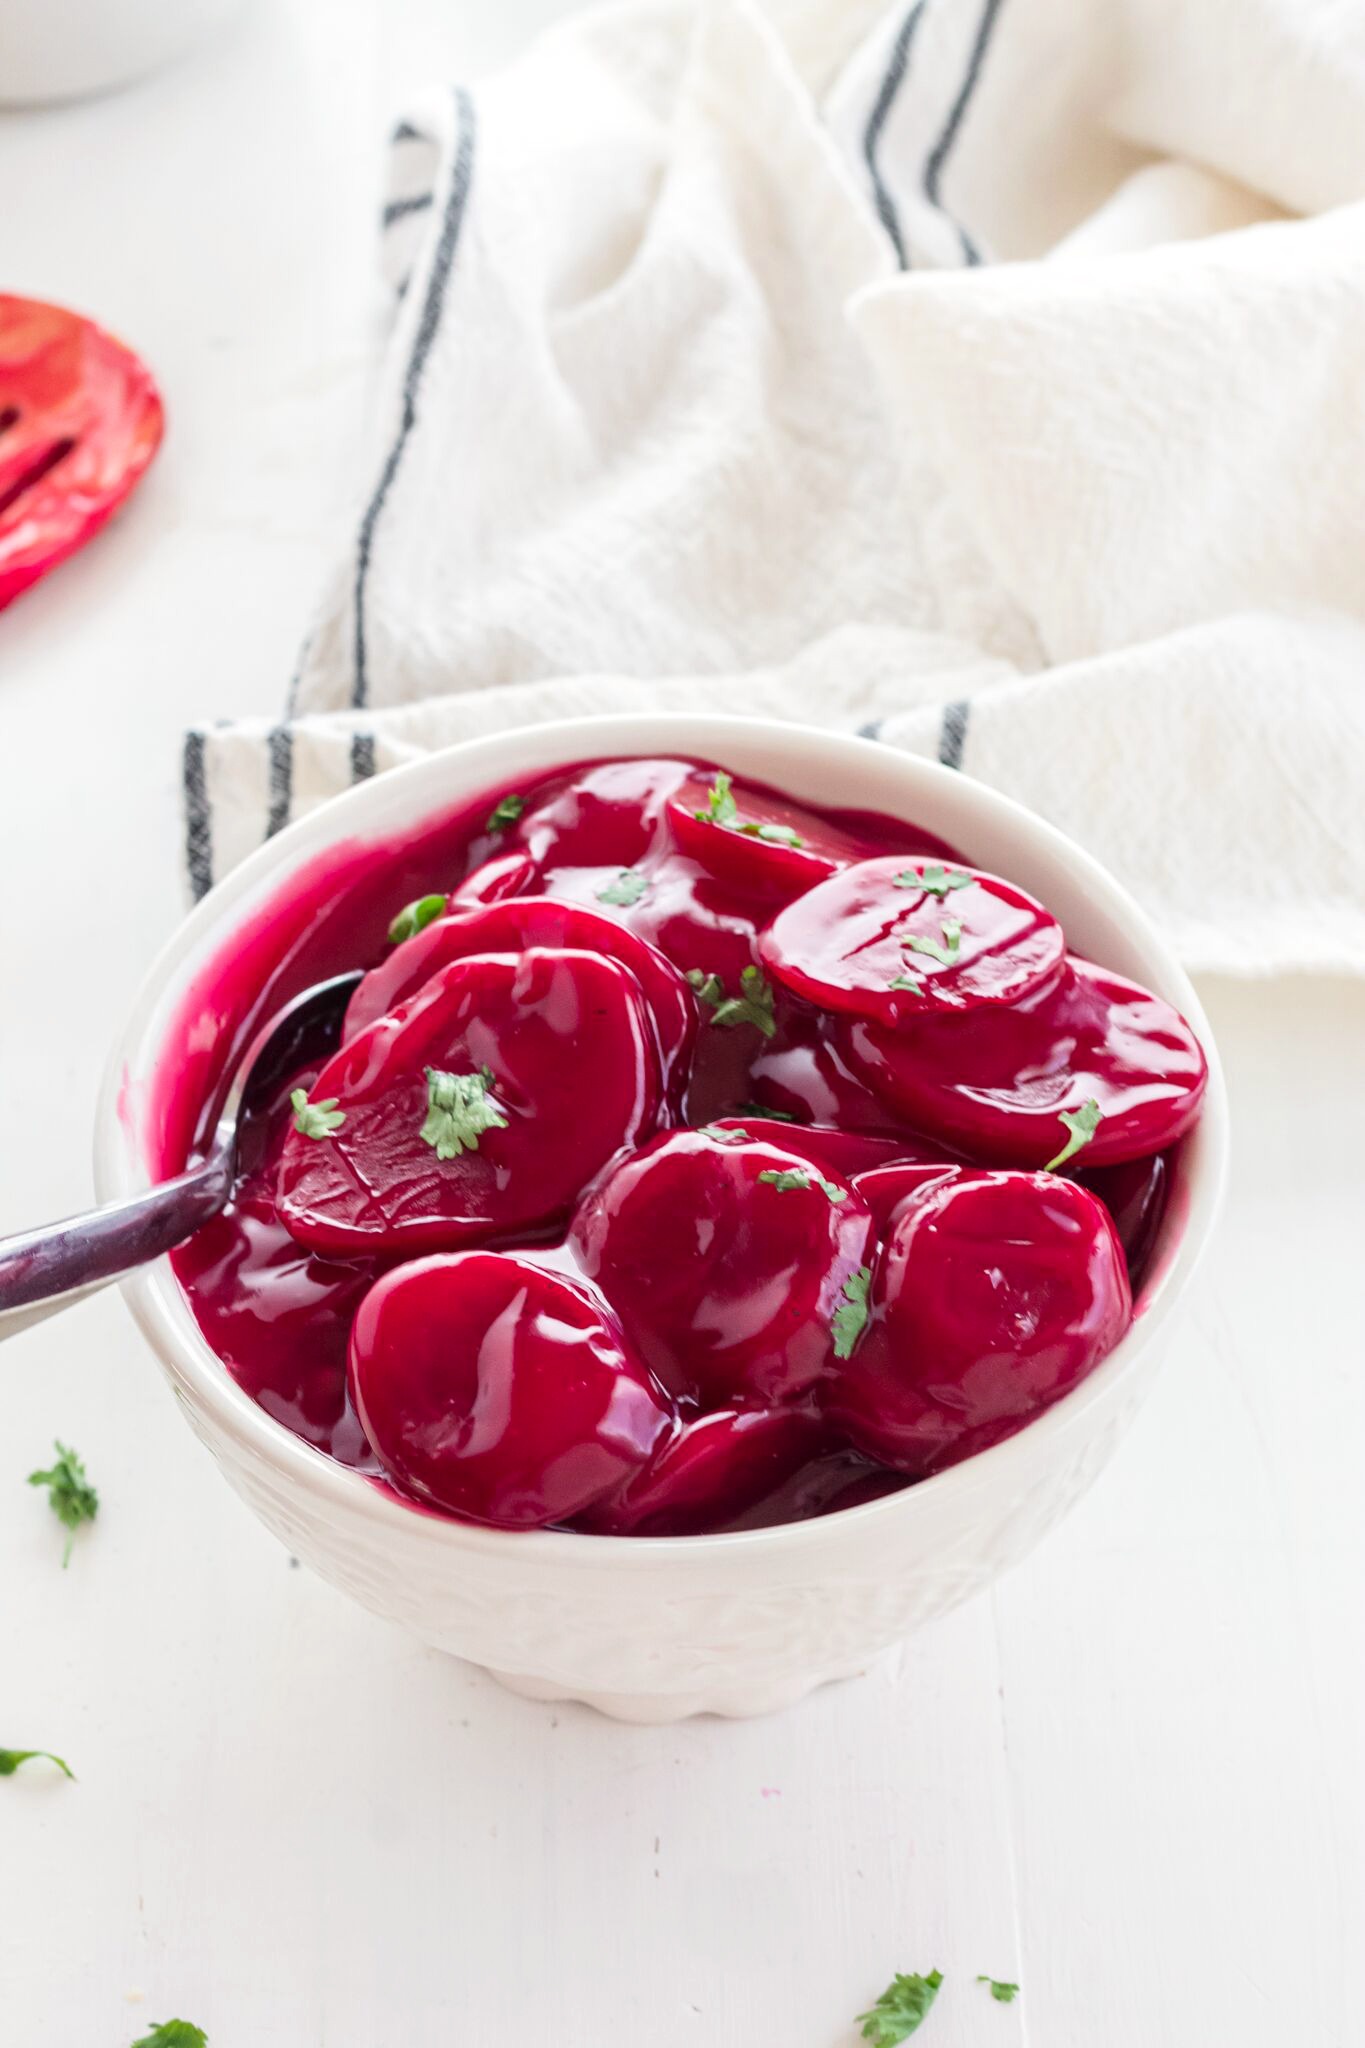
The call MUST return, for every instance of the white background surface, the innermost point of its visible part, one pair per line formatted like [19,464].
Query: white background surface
[1130,1777]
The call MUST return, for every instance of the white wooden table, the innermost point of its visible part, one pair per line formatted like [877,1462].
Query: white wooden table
[1129,1778]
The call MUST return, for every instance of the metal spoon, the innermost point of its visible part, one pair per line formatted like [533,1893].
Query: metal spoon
[44,1270]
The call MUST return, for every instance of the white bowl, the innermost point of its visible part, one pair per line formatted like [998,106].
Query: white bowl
[653,1629]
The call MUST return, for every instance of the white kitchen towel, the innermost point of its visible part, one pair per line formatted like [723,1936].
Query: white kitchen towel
[991,387]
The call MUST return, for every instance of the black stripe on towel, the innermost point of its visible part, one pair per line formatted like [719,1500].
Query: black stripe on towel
[280,751]
[399,209]
[952,737]
[198,834]
[441,265]
[876,121]
[405,132]
[938,155]
[871,731]
[362,756]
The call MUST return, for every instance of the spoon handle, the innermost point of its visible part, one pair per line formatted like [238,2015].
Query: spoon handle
[44,1270]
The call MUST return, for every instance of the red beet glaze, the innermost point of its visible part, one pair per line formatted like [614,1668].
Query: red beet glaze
[499,1391]
[820,1293]
[995,1294]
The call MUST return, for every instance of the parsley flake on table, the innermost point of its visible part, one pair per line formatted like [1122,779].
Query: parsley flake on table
[459,1111]
[1004,1994]
[753,1005]
[70,1495]
[414,917]
[504,814]
[935,880]
[1082,1124]
[315,1119]
[10,1760]
[944,952]
[721,808]
[786,1180]
[850,1318]
[901,2009]
[628,888]
[174,2034]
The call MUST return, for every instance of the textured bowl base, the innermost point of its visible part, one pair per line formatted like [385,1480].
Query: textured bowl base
[742,1703]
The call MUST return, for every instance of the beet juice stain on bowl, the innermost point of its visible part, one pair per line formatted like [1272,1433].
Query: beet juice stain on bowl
[692,1160]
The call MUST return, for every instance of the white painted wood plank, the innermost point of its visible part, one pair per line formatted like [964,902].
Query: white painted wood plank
[1131,1778]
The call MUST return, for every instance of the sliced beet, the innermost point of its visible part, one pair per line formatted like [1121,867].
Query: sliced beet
[753,840]
[803,1071]
[712,1469]
[551,1050]
[726,1261]
[605,816]
[894,938]
[1134,1193]
[995,1082]
[499,1391]
[511,927]
[993,1297]
[506,874]
[832,1150]
[884,1188]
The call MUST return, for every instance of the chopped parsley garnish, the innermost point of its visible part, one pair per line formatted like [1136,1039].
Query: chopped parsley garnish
[414,916]
[721,809]
[946,952]
[10,1760]
[1005,1994]
[628,888]
[726,1135]
[1082,1124]
[70,1495]
[753,1005]
[901,2009]
[315,1119]
[910,981]
[777,1116]
[785,1180]
[459,1111]
[850,1319]
[174,2034]
[935,880]
[504,813]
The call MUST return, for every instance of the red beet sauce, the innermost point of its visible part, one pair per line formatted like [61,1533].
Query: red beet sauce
[730,1268]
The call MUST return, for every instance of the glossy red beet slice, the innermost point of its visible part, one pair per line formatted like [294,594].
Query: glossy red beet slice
[1134,1193]
[727,1281]
[832,1150]
[566,1041]
[884,1188]
[992,1298]
[994,1082]
[713,1468]
[753,840]
[802,1070]
[605,817]
[499,1391]
[894,938]
[506,874]
[512,926]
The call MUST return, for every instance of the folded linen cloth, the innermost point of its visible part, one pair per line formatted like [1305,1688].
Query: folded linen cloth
[989,387]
